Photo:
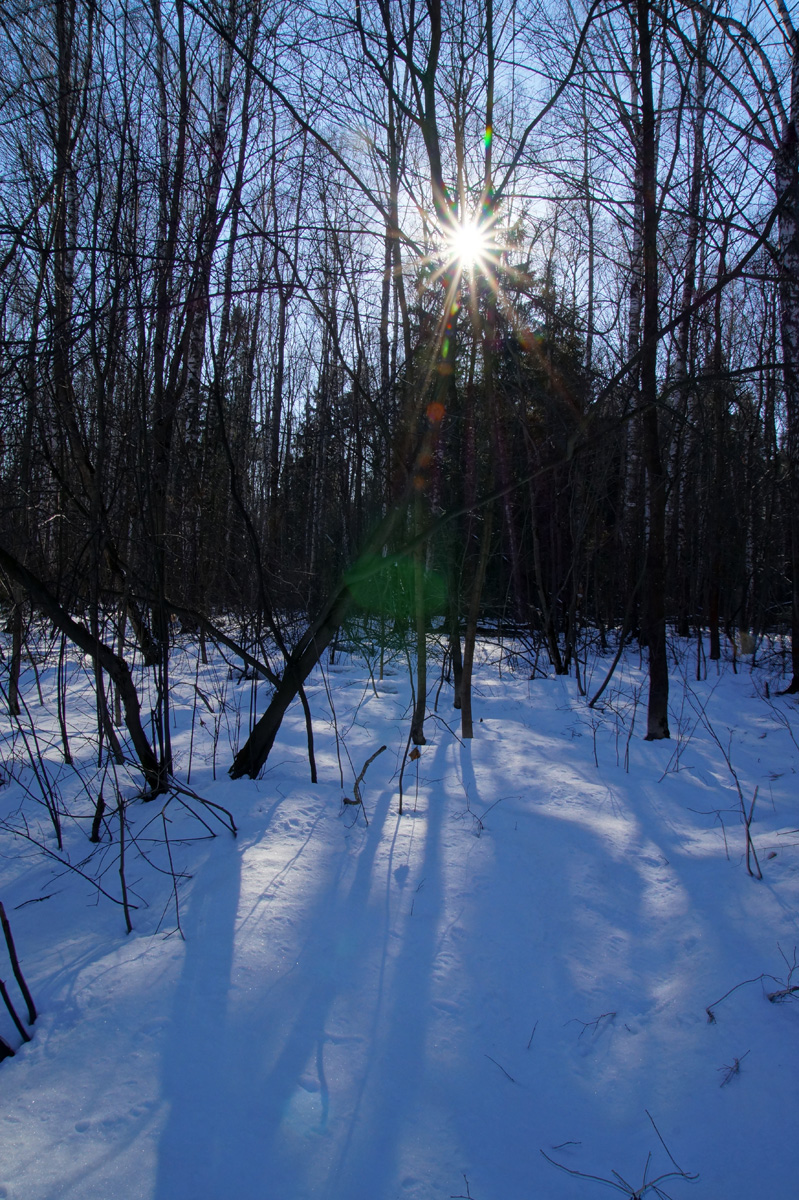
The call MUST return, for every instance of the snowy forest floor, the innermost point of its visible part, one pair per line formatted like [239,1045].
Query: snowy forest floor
[416,1007]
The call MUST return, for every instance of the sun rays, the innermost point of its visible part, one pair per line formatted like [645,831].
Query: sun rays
[469,251]
[468,244]
[469,259]
[470,247]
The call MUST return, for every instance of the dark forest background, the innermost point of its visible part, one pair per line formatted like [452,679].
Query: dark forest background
[248,389]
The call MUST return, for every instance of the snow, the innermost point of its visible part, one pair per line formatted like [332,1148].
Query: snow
[420,1006]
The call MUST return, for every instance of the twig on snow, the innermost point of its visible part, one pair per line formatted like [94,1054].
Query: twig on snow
[711,1016]
[502,1069]
[594,1025]
[180,789]
[788,989]
[621,1184]
[731,1072]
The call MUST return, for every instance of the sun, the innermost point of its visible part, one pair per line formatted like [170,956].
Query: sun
[469,244]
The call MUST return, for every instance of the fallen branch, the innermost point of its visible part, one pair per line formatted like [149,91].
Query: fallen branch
[783,994]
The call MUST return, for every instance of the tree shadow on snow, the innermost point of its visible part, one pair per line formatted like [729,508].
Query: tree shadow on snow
[287,1074]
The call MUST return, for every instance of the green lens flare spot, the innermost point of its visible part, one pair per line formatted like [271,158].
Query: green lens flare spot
[381,586]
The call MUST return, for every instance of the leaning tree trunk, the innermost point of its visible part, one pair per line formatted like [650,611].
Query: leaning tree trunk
[311,646]
[115,667]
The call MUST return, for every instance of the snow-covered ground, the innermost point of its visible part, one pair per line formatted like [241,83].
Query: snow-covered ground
[416,1007]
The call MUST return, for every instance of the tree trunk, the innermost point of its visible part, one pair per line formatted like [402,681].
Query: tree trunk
[420,707]
[470,637]
[657,713]
[786,171]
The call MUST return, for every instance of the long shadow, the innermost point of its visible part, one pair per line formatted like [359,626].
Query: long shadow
[563,897]
[468,778]
[302,1111]
[209,1060]
[196,1062]
[396,1071]
[356,1046]
[262,1064]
